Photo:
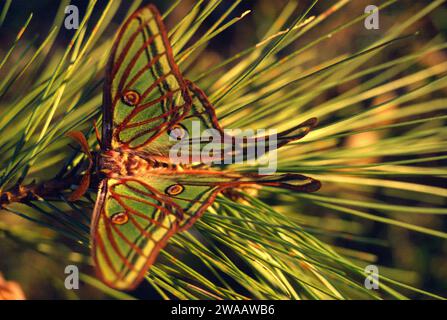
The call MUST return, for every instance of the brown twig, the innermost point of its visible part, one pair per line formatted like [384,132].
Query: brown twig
[33,191]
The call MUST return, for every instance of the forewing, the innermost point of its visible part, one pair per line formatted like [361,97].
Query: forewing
[134,218]
[130,226]
[144,92]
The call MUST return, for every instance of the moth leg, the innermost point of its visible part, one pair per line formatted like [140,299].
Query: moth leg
[85,180]
[98,136]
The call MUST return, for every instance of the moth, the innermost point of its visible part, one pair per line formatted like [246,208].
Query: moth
[143,198]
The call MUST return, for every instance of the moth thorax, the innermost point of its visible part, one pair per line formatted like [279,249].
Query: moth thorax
[120,163]
[137,165]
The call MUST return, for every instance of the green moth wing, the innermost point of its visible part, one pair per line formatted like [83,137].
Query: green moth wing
[144,91]
[130,227]
[134,217]
[145,95]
